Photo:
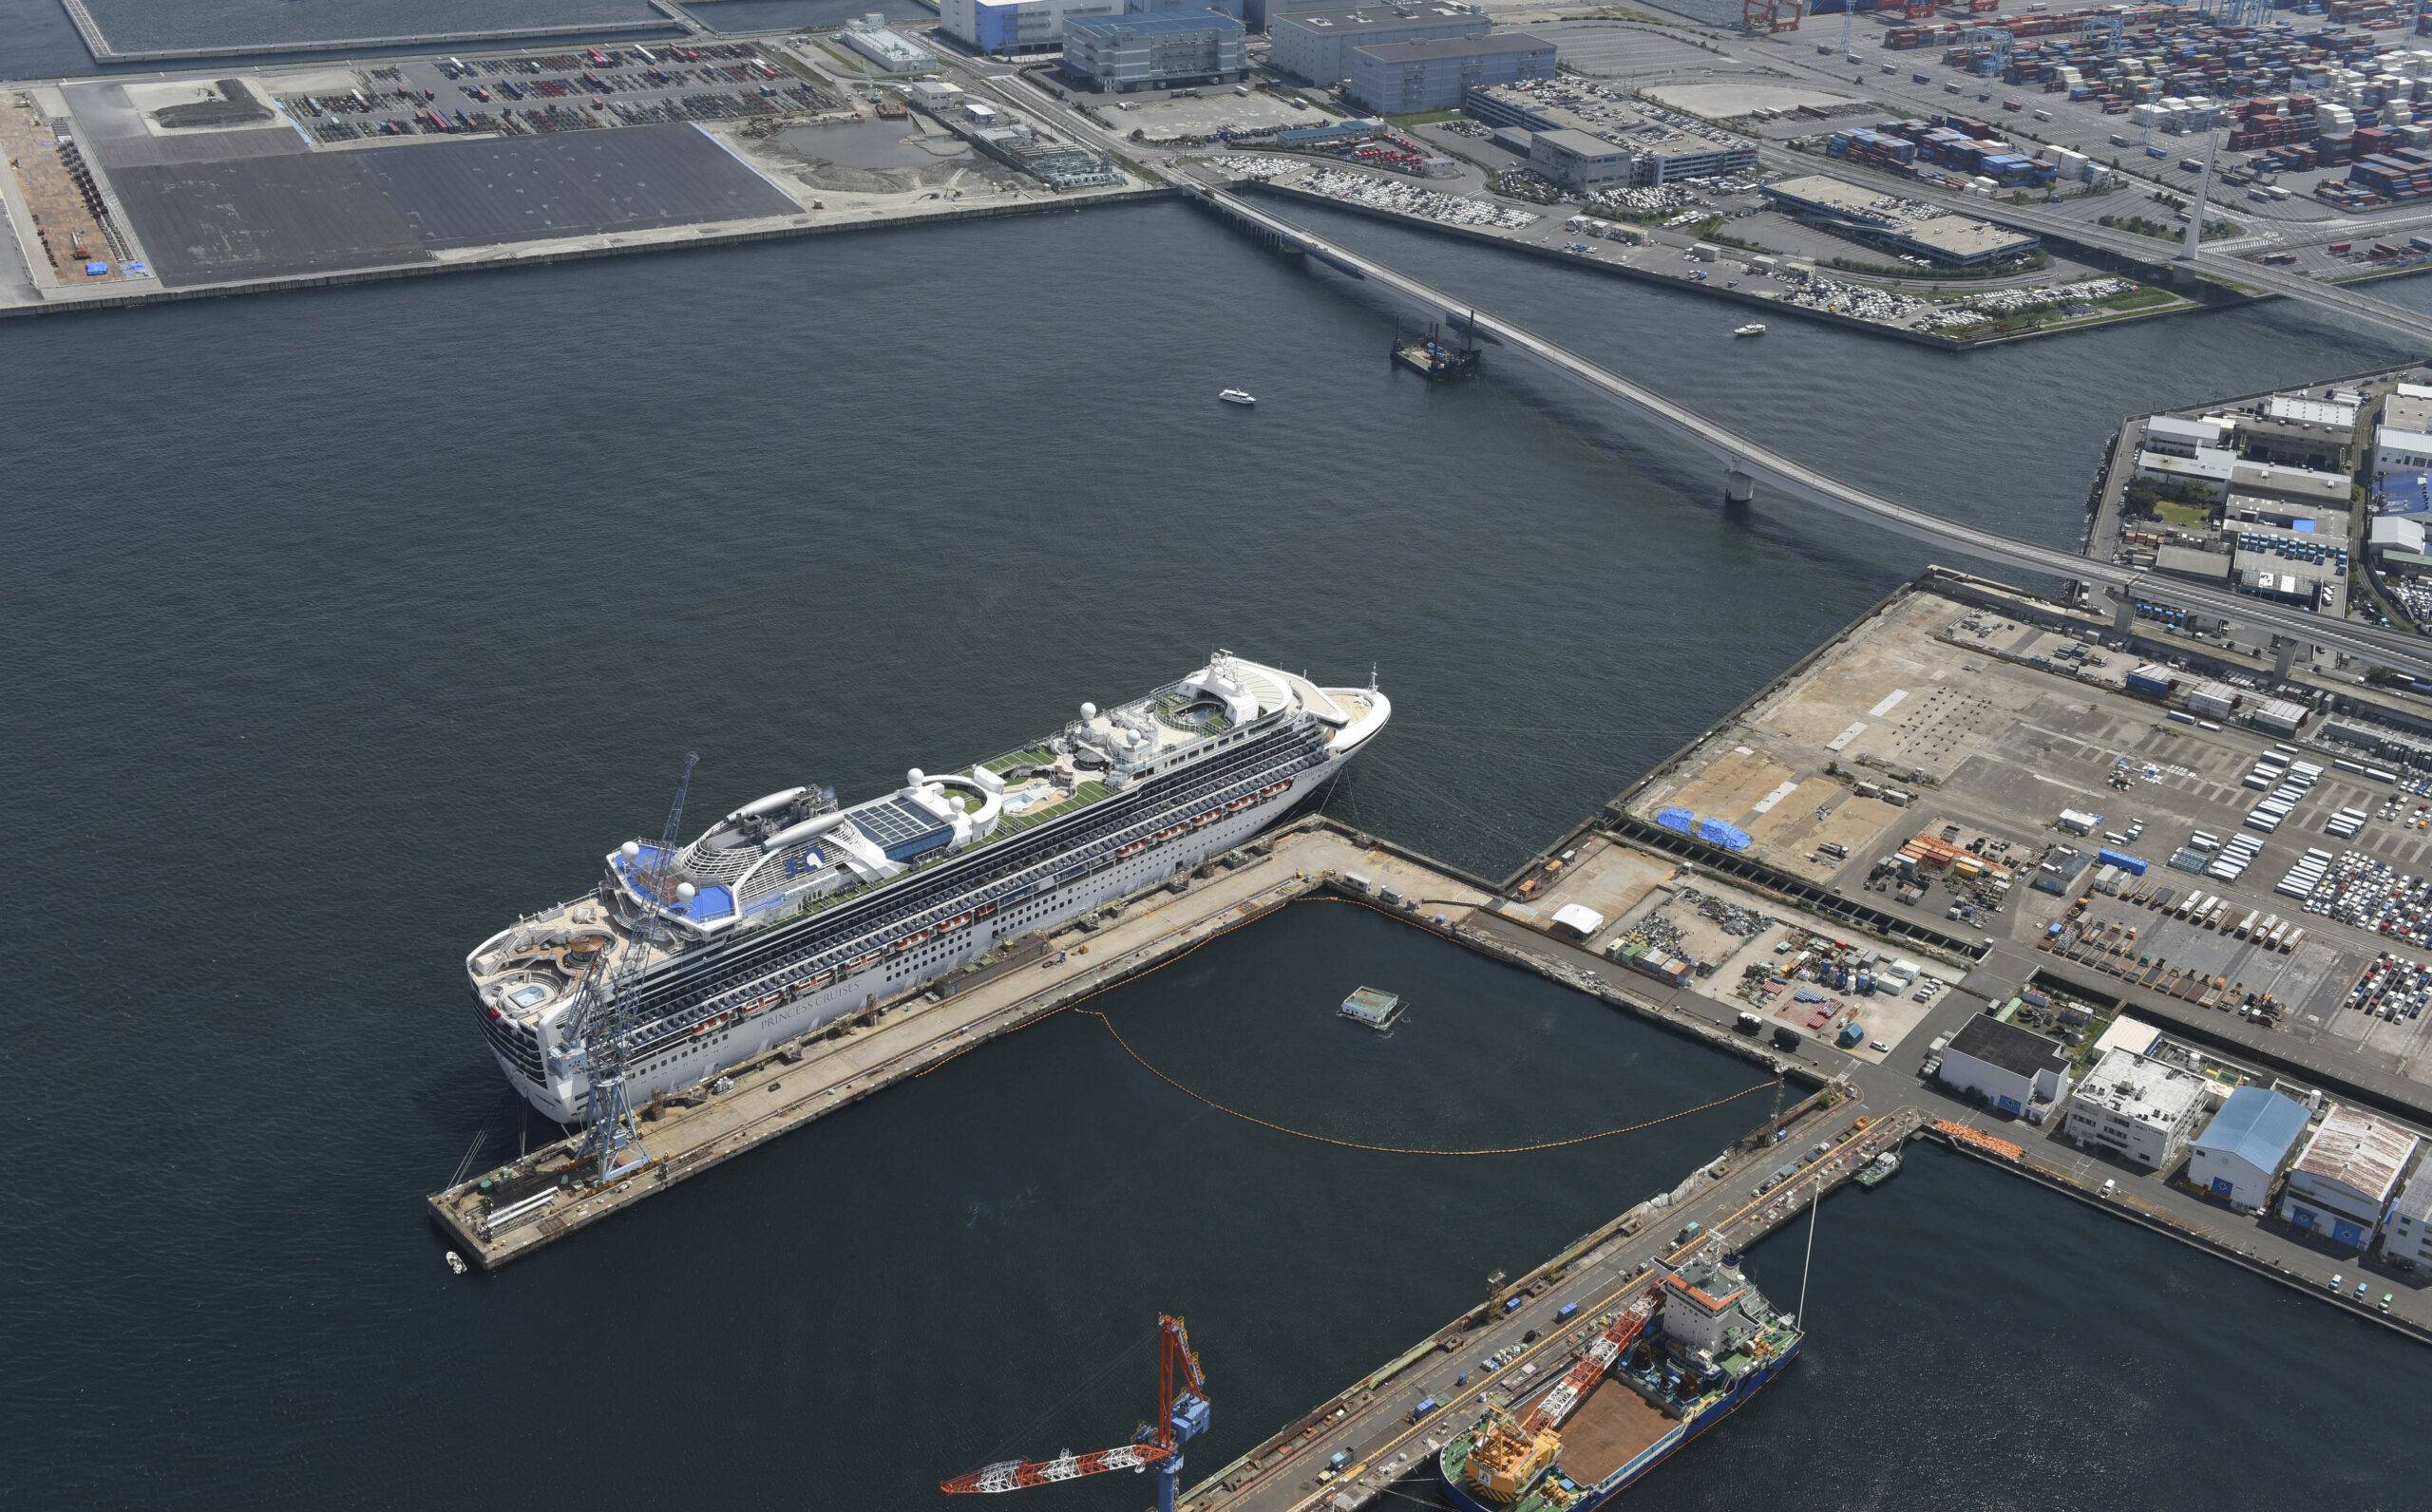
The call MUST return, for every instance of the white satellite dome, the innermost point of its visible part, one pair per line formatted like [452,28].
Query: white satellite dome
[915,777]
[631,850]
[1088,711]
[685,892]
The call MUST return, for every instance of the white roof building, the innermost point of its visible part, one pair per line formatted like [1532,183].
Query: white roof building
[2341,1184]
[1579,920]
[2138,1108]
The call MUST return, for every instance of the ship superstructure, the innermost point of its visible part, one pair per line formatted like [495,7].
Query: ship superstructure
[1674,1361]
[793,909]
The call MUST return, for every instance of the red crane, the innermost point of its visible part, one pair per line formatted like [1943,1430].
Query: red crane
[1182,1415]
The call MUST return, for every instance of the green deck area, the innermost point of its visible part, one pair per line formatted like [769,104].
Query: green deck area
[1083,796]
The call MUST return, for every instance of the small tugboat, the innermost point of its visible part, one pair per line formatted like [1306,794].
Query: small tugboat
[1752,328]
[1881,1169]
[1237,396]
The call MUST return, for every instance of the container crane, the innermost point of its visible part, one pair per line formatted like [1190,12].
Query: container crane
[1182,1415]
[596,1025]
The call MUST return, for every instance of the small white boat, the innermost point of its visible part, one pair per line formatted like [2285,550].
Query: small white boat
[1752,328]
[1237,396]
[455,1262]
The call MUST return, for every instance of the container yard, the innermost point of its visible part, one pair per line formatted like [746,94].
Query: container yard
[2321,107]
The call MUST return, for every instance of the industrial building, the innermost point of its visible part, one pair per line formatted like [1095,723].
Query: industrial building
[2298,485]
[2293,443]
[2342,1184]
[1004,27]
[2205,475]
[1154,51]
[893,54]
[2406,1236]
[2138,1108]
[2177,436]
[1405,78]
[2012,1070]
[2240,1152]
[1663,147]
[1883,220]
[1315,46]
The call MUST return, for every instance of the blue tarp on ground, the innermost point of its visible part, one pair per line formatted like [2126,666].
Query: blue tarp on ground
[1715,832]
[1679,819]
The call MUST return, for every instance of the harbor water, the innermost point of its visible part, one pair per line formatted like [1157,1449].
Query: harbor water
[345,626]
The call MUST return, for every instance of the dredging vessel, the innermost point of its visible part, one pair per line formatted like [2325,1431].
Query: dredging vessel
[792,911]
[1677,1359]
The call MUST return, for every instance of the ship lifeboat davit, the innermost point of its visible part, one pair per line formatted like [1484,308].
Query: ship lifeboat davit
[1202,820]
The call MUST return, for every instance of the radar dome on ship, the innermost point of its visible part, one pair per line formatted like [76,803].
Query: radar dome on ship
[915,777]
[686,892]
[631,850]
[1089,711]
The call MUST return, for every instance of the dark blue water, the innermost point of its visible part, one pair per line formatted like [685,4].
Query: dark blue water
[343,625]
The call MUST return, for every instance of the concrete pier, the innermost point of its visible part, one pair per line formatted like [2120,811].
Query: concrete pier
[504,1215]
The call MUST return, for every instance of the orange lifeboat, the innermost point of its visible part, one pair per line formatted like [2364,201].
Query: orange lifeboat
[983,910]
[1201,820]
[709,1025]
[958,921]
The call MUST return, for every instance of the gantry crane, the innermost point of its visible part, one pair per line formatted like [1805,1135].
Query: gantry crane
[1182,1415]
[597,1023]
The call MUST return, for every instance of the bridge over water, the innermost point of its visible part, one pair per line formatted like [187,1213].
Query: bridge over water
[1746,462]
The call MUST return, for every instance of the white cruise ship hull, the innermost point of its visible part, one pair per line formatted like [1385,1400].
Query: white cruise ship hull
[741,1033]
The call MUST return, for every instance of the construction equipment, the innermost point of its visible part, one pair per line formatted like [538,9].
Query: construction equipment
[612,1145]
[1182,1415]
[1513,1452]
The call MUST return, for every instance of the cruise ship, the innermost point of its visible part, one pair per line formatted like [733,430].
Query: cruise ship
[1677,1359]
[792,911]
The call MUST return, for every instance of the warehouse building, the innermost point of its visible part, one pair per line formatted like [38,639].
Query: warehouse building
[1877,219]
[1405,78]
[2239,1154]
[2406,1238]
[2140,1109]
[1662,146]
[1578,162]
[1115,54]
[2012,1070]
[2342,1183]
[1004,27]
[1315,46]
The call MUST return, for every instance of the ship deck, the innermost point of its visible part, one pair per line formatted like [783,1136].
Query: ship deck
[1611,1427]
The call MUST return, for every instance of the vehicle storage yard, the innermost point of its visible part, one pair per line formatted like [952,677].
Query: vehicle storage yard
[1942,718]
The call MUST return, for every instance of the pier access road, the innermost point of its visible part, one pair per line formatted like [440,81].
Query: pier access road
[1377,1424]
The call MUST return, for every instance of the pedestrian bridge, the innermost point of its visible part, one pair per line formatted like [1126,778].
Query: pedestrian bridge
[1745,463]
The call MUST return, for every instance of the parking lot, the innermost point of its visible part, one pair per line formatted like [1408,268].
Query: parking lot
[546,92]
[1189,115]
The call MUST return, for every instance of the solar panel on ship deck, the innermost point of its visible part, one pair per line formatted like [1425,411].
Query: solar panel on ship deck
[895,820]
